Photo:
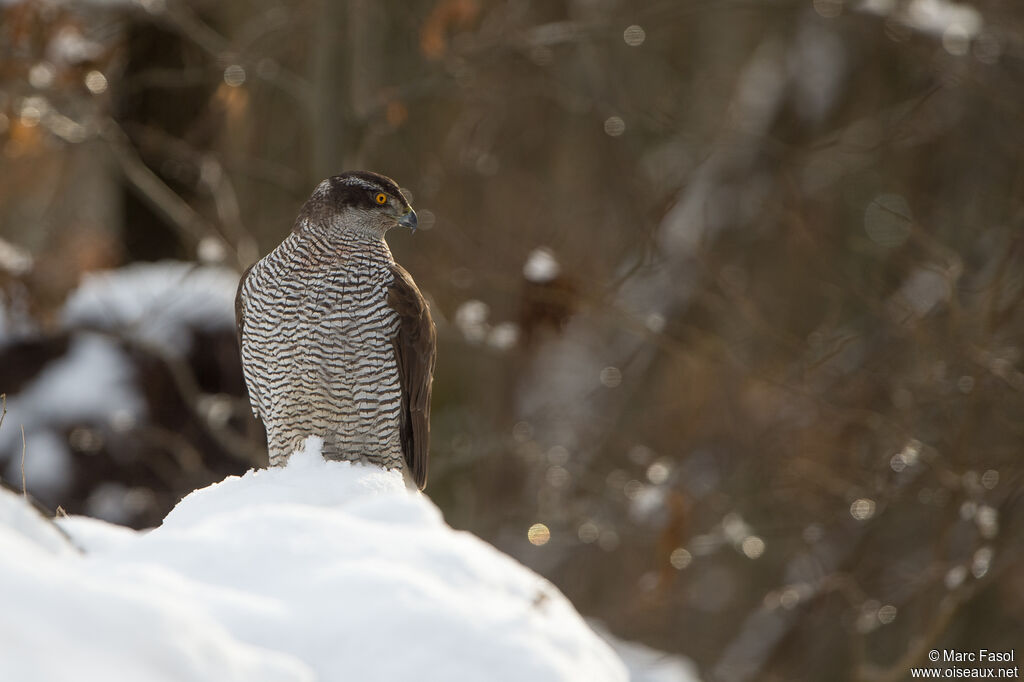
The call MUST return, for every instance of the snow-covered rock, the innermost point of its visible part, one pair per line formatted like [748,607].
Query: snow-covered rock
[91,383]
[158,308]
[155,303]
[317,571]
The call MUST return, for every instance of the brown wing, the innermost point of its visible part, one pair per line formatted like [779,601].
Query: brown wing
[415,350]
[240,326]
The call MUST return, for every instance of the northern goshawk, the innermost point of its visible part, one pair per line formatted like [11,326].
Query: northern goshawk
[336,339]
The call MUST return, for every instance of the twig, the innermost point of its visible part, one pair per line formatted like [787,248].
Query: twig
[188,388]
[217,184]
[3,413]
[190,26]
[191,226]
[24,490]
[915,653]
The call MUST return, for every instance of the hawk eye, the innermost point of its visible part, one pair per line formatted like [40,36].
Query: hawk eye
[381,198]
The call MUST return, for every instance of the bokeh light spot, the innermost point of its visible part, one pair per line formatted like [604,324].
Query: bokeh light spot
[503,336]
[538,534]
[42,75]
[632,489]
[752,546]
[588,532]
[427,219]
[29,116]
[634,35]
[557,476]
[956,40]
[813,533]
[558,455]
[614,126]
[955,577]
[655,322]
[541,265]
[981,562]
[471,320]
[96,82]
[522,431]
[862,509]
[680,558]
[211,250]
[990,479]
[789,598]
[234,75]
[611,377]
[987,519]
[658,472]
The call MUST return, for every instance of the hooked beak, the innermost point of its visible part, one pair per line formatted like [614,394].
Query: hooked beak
[409,220]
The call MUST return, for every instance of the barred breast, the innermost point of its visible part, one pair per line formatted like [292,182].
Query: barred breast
[317,349]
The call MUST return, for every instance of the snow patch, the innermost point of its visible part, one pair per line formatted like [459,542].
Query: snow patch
[649,665]
[49,467]
[541,265]
[934,17]
[13,259]
[91,383]
[22,526]
[156,303]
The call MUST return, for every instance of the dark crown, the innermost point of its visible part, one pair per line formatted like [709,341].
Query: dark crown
[357,189]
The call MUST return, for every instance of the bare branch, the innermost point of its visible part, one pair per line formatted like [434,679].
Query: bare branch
[211,179]
[185,21]
[190,225]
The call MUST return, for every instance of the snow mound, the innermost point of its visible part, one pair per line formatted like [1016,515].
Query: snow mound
[316,571]
[22,527]
[649,665]
[71,617]
[156,303]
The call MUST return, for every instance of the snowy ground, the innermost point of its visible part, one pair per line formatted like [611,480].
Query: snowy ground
[319,571]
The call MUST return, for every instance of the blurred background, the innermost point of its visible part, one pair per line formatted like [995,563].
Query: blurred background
[730,294]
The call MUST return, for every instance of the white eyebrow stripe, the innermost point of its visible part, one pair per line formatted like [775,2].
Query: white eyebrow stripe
[359,182]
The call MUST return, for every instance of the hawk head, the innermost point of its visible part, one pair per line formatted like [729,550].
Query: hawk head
[358,200]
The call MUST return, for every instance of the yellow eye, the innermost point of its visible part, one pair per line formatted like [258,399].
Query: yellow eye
[381,198]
